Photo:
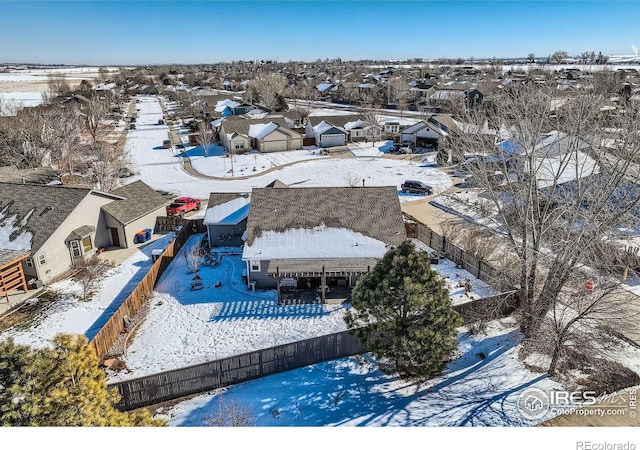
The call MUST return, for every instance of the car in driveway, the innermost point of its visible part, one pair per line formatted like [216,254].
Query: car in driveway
[416,187]
[182,205]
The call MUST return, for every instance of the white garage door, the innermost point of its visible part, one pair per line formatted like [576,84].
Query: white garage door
[333,140]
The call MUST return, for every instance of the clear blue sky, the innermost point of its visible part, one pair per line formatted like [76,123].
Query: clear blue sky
[158,32]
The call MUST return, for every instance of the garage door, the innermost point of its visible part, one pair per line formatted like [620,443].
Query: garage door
[333,140]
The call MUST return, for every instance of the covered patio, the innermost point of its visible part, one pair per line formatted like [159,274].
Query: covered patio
[327,280]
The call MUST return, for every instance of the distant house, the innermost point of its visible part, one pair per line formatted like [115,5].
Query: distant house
[427,133]
[271,134]
[57,224]
[391,127]
[328,135]
[330,236]
[332,131]
[226,219]
[557,158]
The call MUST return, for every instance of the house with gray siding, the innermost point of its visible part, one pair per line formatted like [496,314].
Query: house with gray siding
[324,235]
[331,131]
[226,219]
[55,224]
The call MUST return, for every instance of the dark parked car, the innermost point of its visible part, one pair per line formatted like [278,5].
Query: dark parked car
[416,187]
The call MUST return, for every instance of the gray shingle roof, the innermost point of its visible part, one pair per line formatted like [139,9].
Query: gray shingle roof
[139,200]
[80,233]
[46,207]
[338,121]
[240,125]
[7,256]
[218,198]
[372,211]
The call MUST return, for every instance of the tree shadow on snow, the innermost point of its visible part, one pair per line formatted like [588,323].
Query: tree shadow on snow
[354,392]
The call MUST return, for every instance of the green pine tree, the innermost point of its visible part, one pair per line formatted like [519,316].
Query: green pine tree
[59,386]
[402,313]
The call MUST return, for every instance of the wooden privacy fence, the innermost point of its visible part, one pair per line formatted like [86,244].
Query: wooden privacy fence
[471,264]
[177,383]
[108,334]
[198,378]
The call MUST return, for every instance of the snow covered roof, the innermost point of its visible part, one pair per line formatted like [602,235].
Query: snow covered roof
[447,94]
[228,213]
[29,214]
[242,125]
[356,124]
[370,211]
[222,104]
[318,242]
[260,130]
[323,127]
[324,86]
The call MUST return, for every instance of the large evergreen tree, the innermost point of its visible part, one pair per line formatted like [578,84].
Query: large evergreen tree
[401,311]
[59,386]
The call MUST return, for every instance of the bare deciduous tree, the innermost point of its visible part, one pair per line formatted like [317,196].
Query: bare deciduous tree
[400,91]
[204,136]
[231,414]
[558,56]
[94,114]
[89,271]
[58,84]
[192,258]
[268,86]
[559,194]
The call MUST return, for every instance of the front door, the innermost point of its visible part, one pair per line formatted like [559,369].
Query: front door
[115,239]
[75,250]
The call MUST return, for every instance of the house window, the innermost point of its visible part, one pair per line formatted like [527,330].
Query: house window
[255,266]
[87,246]
[29,262]
[239,145]
[75,249]
[42,259]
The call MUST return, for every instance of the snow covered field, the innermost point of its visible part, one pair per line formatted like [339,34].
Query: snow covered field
[24,87]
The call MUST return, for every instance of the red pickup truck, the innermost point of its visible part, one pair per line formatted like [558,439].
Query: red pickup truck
[182,205]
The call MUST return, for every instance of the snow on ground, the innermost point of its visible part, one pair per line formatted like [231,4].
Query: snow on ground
[454,276]
[217,165]
[470,206]
[479,388]
[185,327]
[10,101]
[162,169]
[71,315]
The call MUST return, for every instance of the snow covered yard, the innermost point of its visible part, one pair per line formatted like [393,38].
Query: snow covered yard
[71,315]
[185,327]
[479,388]
[218,165]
